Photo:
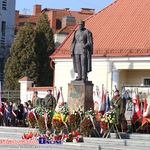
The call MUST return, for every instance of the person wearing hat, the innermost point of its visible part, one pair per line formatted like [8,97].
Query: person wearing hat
[81,51]
[49,101]
[129,112]
[117,102]
[36,100]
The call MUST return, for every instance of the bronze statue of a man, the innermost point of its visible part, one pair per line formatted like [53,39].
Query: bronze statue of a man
[81,51]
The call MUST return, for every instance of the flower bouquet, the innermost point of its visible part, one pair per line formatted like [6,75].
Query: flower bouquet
[88,123]
[108,119]
[75,119]
[31,120]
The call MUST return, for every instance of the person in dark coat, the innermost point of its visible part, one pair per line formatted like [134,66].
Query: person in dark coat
[14,115]
[20,109]
[25,113]
[1,114]
[7,113]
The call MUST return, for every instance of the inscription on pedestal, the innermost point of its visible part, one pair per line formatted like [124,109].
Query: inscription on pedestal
[80,93]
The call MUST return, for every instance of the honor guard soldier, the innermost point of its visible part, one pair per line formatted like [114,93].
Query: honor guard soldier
[49,101]
[117,102]
[36,100]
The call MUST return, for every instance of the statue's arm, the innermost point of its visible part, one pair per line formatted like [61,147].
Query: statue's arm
[89,44]
[73,44]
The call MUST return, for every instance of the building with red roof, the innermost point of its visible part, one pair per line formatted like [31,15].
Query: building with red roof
[121,37]
[61,20]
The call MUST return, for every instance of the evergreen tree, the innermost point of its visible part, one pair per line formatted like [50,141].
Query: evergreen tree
[44,48]
[23,57]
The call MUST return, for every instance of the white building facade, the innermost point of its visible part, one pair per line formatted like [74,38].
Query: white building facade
[7,21]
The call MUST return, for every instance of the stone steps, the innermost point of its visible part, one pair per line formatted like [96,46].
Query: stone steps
[128,142]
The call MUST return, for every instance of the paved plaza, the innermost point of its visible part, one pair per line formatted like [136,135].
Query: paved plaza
[128,142]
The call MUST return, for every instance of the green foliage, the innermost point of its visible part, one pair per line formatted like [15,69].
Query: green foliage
[22,58]
[44,48]
[30,51]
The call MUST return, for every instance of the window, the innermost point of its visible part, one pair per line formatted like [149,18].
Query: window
[4,5]
[146,81]
[3,29]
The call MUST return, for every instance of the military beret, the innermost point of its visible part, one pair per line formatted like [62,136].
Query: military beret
[117,91]
[49,90]
[129,98]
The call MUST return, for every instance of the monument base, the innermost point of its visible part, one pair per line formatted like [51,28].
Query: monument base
[80,93]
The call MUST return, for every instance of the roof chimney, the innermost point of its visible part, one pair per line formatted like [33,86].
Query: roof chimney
[52,18]
[87,9]
[16,17]
[68,21]
[37,9]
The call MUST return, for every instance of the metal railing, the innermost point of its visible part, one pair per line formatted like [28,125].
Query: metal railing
[11,95]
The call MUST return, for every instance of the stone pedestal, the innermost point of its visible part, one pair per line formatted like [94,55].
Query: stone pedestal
[80,93]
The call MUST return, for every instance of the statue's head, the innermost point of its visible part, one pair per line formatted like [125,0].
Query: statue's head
[81,24]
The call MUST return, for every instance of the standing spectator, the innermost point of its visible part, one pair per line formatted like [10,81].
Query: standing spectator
[29,103]
[30,107]
[11,105]
[20,113]
[25,113]
[14,114]
[7,114]
[1,115]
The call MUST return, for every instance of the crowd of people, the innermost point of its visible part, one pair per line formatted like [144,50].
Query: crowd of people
[15,114]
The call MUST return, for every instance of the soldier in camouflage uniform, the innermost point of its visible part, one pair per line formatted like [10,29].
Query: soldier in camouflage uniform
[49,101]
[117,102]
[36,100]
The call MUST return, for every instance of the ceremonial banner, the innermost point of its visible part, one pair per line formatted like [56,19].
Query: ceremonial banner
[134,98]
[96,100]
[107,104]
[102,108]
[137,113]
[144,120]
[147,113]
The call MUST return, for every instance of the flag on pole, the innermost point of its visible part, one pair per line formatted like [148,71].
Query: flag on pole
[107,104]
[137,113]
[102,109]
[134,98]
[144,120]
[141,108]
[32,98]
[0,97]
[103,96]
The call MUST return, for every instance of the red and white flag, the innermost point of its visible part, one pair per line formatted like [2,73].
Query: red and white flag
[134,98]
[144,120]
[137,113]
[102,107]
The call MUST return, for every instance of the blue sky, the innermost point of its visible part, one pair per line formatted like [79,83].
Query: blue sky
[26,6]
